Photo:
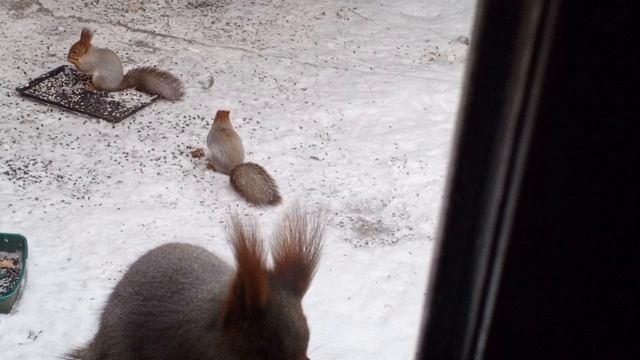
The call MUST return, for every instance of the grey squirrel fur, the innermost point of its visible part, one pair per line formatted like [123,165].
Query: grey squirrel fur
[226,153]
[182,302]
[105,69]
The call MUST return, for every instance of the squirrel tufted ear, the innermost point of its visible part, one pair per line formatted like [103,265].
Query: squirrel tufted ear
[86,35]
[296,251]
[249,288]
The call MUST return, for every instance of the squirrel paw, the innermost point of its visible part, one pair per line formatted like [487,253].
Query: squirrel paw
[210,166]
[91,87]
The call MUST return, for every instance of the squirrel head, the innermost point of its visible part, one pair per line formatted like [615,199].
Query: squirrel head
[222,121]
[263,317]
[222,116]
[80,48]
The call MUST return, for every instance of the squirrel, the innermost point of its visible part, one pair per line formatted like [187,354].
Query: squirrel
[182,302]
[105,69]
[226,154]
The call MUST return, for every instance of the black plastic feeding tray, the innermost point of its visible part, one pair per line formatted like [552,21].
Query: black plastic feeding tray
[65,87]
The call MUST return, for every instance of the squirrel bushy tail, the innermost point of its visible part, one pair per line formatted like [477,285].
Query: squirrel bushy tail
[254,184]
[155,82]
[78,354]
[81,354]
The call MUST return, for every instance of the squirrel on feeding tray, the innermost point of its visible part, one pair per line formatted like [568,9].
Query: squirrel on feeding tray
[105,69]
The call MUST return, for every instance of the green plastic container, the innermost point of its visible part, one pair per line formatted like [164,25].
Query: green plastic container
[14,243]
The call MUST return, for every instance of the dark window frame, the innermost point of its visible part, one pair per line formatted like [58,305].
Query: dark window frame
[542,193]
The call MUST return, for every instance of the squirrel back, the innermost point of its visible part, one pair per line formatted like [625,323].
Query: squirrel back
[226,153]
[105,68]
[182,302]
[224,143]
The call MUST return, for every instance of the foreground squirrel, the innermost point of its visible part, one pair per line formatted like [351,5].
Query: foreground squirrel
[182,302]
[226,154]
[105,69]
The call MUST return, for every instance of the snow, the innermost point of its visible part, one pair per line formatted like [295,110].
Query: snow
[350,105]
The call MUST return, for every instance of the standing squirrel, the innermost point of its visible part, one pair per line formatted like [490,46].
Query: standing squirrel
[182,302]
[226,153]
[105,69]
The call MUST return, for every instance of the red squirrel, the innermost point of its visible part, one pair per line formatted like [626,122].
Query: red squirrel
[226,154]
[182,302]
[105,69]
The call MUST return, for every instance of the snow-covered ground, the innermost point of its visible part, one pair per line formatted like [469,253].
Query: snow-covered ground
[349,104]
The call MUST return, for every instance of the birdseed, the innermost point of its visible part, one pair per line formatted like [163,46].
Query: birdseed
[66,87]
